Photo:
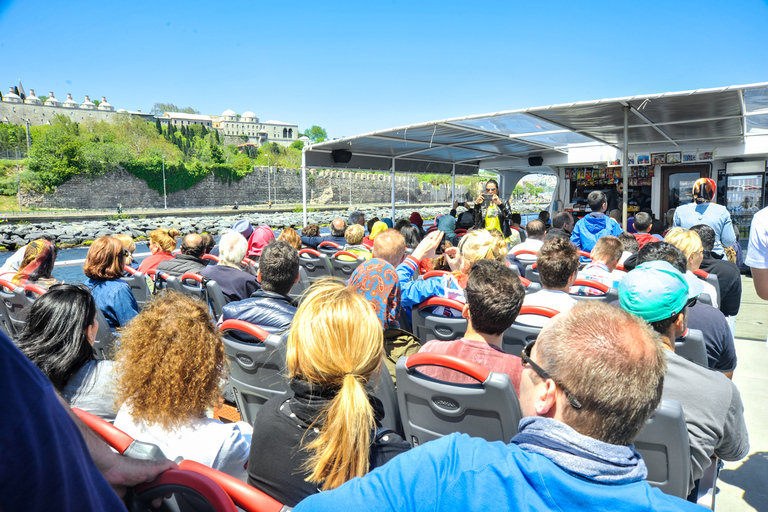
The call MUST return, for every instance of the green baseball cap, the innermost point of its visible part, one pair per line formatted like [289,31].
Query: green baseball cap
[655,290]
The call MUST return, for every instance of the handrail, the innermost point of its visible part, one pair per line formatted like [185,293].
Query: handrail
[7,285]
[585,254]
[246,327]
[328,243]
[701,273]
[526,282]
[538,310]
[597,285]
[313,252]
[435,273]
[469,368]
[346,253]
[115,437]
[31,287]
[440,301]
[210,257]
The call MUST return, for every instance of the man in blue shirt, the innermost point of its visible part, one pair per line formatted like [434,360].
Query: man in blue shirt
[590,382]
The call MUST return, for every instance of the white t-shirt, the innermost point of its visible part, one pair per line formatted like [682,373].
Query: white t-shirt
[222,446]
[554,299]
[530,244]
[757,253]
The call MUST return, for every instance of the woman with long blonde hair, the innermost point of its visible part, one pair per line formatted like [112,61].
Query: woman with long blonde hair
[327,431]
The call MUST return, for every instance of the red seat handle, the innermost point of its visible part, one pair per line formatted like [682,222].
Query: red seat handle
[597,285]
[345,253]
[115,437]
[469,368]
[440,301]
[538,310]
[246,327]
[313,252]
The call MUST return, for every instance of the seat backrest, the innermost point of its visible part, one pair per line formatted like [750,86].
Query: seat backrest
[168,282]
[691,346]
[607,294]
[518,335]
[329,248]
[431,326]
[316,264]
[16,304]
[383,388]
[432,408]
[182,491]
[104,344]
[663,443]
[202,288]
[210,259]
[530,286]
[704,298]
[216,298]
[586,255]
[257,370]
[711,279]
[532,274]
[6,323]
[344,268]
[138,283]
[301,285]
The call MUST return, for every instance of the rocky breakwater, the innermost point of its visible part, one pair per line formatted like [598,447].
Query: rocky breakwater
[64,233]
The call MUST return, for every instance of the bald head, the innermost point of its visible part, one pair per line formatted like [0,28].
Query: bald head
[338,227]
[389,245]
[610,361]
[193,245]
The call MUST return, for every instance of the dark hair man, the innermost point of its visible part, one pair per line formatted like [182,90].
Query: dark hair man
[496,213]
[338,227]
[562,226]
[357,217]
[189,260]
[514,223]
[615,197]
[595,224]
[558,266]
[728,275]
[584,403]
[270,308]
[536,232]
[494,298]
[718,339]
[660,294]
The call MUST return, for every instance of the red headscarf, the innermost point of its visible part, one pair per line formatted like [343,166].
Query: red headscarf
[37,264]
[704,190]
[259,239]
[416,219]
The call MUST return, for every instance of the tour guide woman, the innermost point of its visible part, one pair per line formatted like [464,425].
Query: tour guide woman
[494,215]
[703,211]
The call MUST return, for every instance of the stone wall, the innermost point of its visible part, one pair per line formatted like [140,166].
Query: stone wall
[257,188]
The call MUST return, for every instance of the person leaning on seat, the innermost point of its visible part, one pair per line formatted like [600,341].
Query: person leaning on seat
[583,403]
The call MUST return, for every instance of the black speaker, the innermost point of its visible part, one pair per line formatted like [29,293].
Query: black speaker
[535,161]
[341,156]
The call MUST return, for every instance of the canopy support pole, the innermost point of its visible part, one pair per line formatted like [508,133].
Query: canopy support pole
[625,169]
[453,184]
[304,182]
[392,173]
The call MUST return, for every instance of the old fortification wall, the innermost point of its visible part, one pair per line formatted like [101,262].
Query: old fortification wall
[259,187]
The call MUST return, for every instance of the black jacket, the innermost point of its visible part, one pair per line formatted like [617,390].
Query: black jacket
[557,233]
[729,278]
[181,264]
[270,311]
[505,212]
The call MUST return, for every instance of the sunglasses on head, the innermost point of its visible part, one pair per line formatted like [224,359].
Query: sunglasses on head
[544,374]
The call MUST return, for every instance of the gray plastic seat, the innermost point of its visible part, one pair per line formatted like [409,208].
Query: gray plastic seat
[663,443]
[138,283]
[256,371]
[383,388]
[344,269]
[16,303]
[329,248]
[301,285]
[104,344]
[429,326]
[530,286]
[691,346]
[7,297]
[532,274]
[607,294]
[711,279]
[204,289]
[316,264]
[431,408]
[518,335]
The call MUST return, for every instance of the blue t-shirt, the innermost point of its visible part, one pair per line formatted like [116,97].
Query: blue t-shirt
[44,462]
[115,299]
[464,474]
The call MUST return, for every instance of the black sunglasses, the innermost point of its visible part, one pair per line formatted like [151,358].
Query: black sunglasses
[544,374]
[490,189]
[692,302]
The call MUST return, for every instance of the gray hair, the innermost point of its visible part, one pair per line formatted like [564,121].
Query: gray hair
[232,248]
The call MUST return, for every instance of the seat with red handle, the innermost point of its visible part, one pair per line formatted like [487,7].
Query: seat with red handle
[604,292]
[586,255]
[183,490]
[344,264]
[434,273]
[532,274]
[204,289]
[438,319]
[710,278]
[138,283]
[691,346]
[431,408]
[257,364]
[316,264]
[329,248]
[530,286]
[210,259]
[519,334]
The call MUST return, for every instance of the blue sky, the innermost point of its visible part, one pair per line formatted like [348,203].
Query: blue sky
[355,67]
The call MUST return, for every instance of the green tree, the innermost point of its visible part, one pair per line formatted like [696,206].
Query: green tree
[158,126]
[298,144]
[316,134]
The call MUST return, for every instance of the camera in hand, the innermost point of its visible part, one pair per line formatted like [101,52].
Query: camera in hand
[487,198]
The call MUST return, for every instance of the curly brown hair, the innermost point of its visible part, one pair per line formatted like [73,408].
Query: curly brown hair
[171,362]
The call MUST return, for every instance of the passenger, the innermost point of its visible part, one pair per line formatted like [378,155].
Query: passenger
[616,215]
[104,266]
[377,228]
[643,223]
[243,227]
[534,241]
[630,244]
[388,222]
[37,265]
[594,225]
[338,227]
[370,223]
[690,244]
[413,236]
[354,236]
[162,242]
[447,224]
[659,294]
[259,239]
[514,223]
[171,368]
[494,298]
[615,197]
[377,281]
[728,274]
[757,255]
[357,217]
[311,230]
[189,260]
[476,245]
[235,283]
[584,403]
[11,265]
[558,266]
[327,431]
[718,338]
[417,221]
[210,243]
[292,237]
[562,226]
[493,215]
[129,246]
[544,218]
[703,211]
[58,337]
[400,224]
[602,269]
[270,307]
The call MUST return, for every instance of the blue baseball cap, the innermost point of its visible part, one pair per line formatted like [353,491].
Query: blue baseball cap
[655,290]
[243,227]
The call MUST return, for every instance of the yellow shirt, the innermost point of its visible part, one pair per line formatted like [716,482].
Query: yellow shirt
[492,218]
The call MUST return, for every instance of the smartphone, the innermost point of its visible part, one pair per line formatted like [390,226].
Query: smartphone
[487,198]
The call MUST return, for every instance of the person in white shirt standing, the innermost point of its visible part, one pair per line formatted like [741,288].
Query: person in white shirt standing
[757,254]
